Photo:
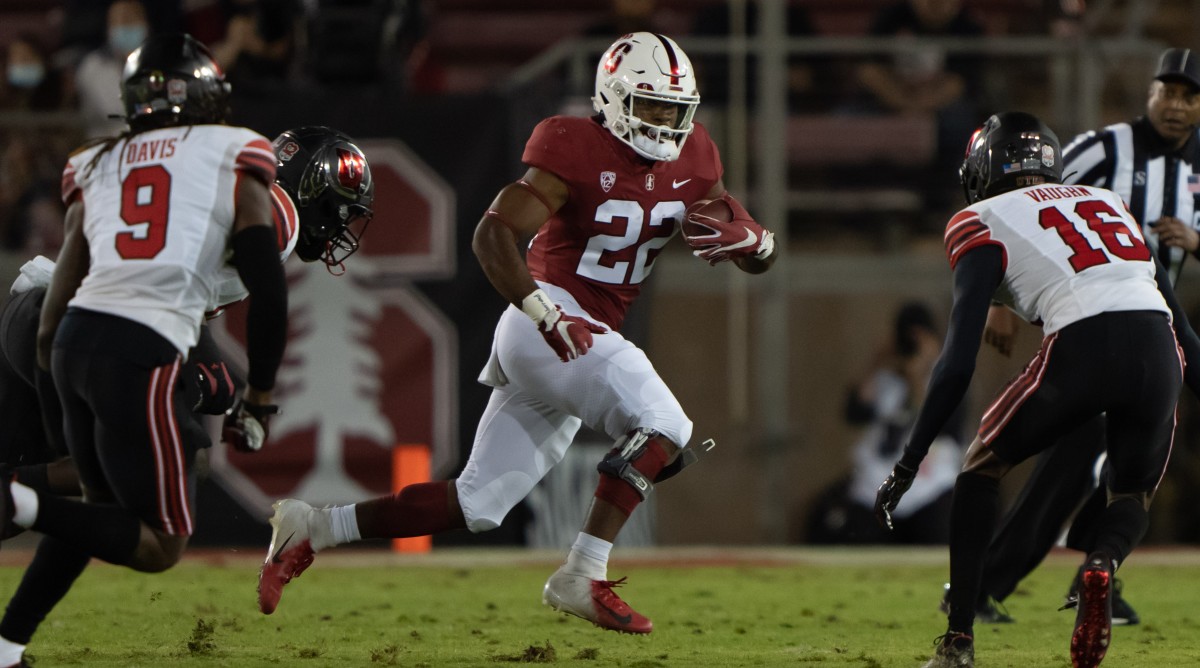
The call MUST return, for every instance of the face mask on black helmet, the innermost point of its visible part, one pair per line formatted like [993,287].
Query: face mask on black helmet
[329,180]
[1011,150]
[645,68]
[173,80]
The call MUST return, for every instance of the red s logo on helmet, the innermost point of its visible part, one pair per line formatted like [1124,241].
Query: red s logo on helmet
[615,56]
[351,168]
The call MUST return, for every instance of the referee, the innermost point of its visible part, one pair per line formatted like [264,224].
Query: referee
[1153,163]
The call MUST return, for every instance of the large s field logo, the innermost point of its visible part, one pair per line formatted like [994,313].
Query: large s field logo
[370,363]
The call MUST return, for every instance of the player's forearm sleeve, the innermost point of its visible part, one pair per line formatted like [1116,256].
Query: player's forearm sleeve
[256,257]
[975,279]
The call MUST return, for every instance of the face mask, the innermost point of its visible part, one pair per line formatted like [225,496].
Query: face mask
[124,39]
[26,75]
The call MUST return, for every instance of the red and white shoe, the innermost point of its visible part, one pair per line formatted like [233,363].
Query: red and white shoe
[593,600]
[1093,619]
[289,554]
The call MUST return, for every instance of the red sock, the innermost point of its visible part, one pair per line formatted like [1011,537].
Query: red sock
[417,510]
[620,493]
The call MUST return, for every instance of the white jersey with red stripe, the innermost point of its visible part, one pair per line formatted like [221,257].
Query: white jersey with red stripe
[286,222]
[158,213]
[1070,252]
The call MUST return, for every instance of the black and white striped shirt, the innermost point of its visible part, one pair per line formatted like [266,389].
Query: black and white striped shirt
[1132,160]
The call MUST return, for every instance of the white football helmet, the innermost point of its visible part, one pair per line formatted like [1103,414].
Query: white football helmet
[645,68]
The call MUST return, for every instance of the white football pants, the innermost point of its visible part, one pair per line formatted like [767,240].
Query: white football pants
[539,402]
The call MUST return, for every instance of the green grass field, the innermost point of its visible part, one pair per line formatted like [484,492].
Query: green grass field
[769,607]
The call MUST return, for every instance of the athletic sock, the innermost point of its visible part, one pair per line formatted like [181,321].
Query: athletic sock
[54,568]
[10,652]
[343,521]
[25,505]
[972,523]
[106,532]
[589,557]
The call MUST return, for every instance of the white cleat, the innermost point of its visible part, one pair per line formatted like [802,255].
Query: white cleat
[593,600]
[289,554]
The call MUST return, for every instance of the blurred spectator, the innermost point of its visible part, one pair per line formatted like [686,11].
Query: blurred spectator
[1065,17]
[32,151]
[84,23]
[31,82]
[802,72]
[885,402]
[260,41]
[98,78]
[625,16]
[923,79]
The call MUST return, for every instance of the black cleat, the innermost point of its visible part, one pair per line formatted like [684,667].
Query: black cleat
[954,650]
[1123,614]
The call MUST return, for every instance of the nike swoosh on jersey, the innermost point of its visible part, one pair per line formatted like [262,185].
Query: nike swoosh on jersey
[676,184]
[275,557]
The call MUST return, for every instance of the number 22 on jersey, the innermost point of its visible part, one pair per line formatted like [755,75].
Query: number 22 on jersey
[145,199]
[1117,239]
[603,246]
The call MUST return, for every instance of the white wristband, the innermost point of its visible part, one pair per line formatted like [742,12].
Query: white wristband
[537,306]
[766,247]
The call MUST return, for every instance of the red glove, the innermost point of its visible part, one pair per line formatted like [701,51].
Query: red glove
[570,336]
[720,230]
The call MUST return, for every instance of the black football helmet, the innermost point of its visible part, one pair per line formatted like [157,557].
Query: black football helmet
[172,79]
[1008,148]
[329,180]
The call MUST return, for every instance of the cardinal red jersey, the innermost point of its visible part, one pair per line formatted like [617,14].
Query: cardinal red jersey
[1070,252]
[621,210]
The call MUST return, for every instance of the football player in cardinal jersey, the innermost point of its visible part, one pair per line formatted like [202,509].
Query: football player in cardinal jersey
[1072,259]
[313,212]
[151,215]
[601,196]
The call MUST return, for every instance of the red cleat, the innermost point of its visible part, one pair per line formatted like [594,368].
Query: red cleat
[593,600]
[1093,620]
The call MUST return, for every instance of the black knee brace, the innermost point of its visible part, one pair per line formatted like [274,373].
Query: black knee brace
[618,463]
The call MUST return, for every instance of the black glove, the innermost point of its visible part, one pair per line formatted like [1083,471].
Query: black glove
[890,492]
[217,392]
[247,425]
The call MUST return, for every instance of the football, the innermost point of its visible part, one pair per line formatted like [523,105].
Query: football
[702,212]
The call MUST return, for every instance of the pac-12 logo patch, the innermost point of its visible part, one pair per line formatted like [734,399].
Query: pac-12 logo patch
[1047,155]
[607,180]
[289,151]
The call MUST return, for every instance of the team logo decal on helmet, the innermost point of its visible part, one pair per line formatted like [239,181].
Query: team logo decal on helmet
[288,151]
[351,167]
[639,75]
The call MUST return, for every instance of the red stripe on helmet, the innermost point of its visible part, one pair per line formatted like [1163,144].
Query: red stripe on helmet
[676,69]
